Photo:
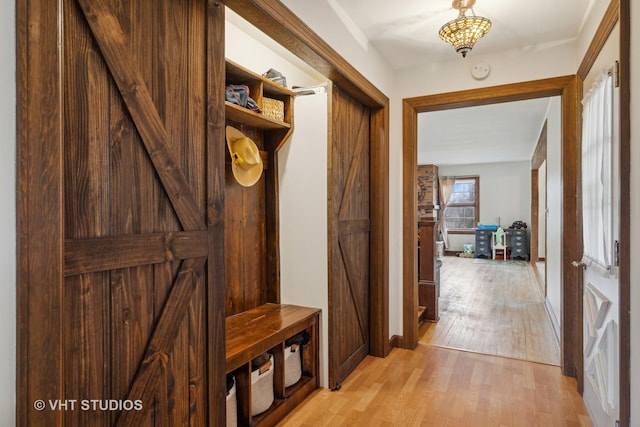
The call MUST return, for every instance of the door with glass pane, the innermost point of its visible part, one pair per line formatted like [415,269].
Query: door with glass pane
[600,203]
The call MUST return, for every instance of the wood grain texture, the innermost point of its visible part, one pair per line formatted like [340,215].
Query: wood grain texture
[135,93]
[110,253]
[257,330]
[433,386]
[379,234]
[265,329]
[571,343]
[490,95]
[535,216]
[428,285]
[607,24]
[246,239]
[161,341]
[349,215]
[125,215]
[538,158]
[493,308]
[40,226]
[409,226]
[272,215]
[212,372]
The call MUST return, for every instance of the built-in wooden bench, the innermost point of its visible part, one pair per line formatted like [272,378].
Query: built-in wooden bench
[265,329]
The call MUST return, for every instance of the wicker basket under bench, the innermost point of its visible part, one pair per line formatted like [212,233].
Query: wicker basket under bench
[265,329]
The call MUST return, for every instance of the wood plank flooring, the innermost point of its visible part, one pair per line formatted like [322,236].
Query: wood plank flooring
[434,386]
[437,386]
[493,307]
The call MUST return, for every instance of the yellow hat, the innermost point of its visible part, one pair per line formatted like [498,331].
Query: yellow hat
[246,162]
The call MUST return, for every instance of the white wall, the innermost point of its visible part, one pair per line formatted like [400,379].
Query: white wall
[322,19]
[247,46]
[554,217]
[454,76]
[505,194]
[8,215]
[302,169]
[635,214]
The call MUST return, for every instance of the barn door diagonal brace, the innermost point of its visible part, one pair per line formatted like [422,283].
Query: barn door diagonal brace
[162,339]
[113,44]
[350,269]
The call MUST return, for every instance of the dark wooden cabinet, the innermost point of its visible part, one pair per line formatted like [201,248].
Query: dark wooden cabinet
[428,283]
[265,329]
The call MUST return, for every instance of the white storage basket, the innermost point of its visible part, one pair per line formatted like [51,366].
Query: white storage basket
[261,389]
[292,366]
[232,407]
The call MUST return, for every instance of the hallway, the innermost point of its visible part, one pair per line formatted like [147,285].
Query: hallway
[493,308]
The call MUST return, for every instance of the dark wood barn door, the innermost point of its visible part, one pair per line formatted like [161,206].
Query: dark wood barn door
[123,149]
[349,212]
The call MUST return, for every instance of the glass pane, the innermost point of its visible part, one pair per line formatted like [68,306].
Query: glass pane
[458,218]
[464,191]
[468,223]
[465,197]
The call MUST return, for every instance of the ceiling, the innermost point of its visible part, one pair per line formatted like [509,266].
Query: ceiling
[405,32]
[486,134]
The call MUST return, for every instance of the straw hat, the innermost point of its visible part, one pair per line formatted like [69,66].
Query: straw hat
[246,162]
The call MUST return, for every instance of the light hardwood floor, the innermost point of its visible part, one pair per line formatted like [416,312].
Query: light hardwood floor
[437,386]
[434,386]
[493,307]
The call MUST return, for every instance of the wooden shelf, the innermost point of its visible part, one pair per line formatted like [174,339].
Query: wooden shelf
[257,326]
[265,329]
[421,310]
[237,74]
[261,90]
[245,116]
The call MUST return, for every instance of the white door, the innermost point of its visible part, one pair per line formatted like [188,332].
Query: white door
[601,201]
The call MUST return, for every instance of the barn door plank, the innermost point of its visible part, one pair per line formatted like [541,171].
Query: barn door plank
[110,253]
[160,344]
[350,268]
[114,46]
[354,168]
[349,323]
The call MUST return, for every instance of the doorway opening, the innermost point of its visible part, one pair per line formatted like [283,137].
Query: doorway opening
[493,306]
[568,87]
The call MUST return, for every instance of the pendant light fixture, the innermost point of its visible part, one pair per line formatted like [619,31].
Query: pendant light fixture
[463,33]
